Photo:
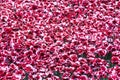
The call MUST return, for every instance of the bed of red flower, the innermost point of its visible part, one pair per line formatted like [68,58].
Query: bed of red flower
[59,39]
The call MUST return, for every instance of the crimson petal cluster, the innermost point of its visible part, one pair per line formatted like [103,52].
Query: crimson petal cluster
[59,40]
